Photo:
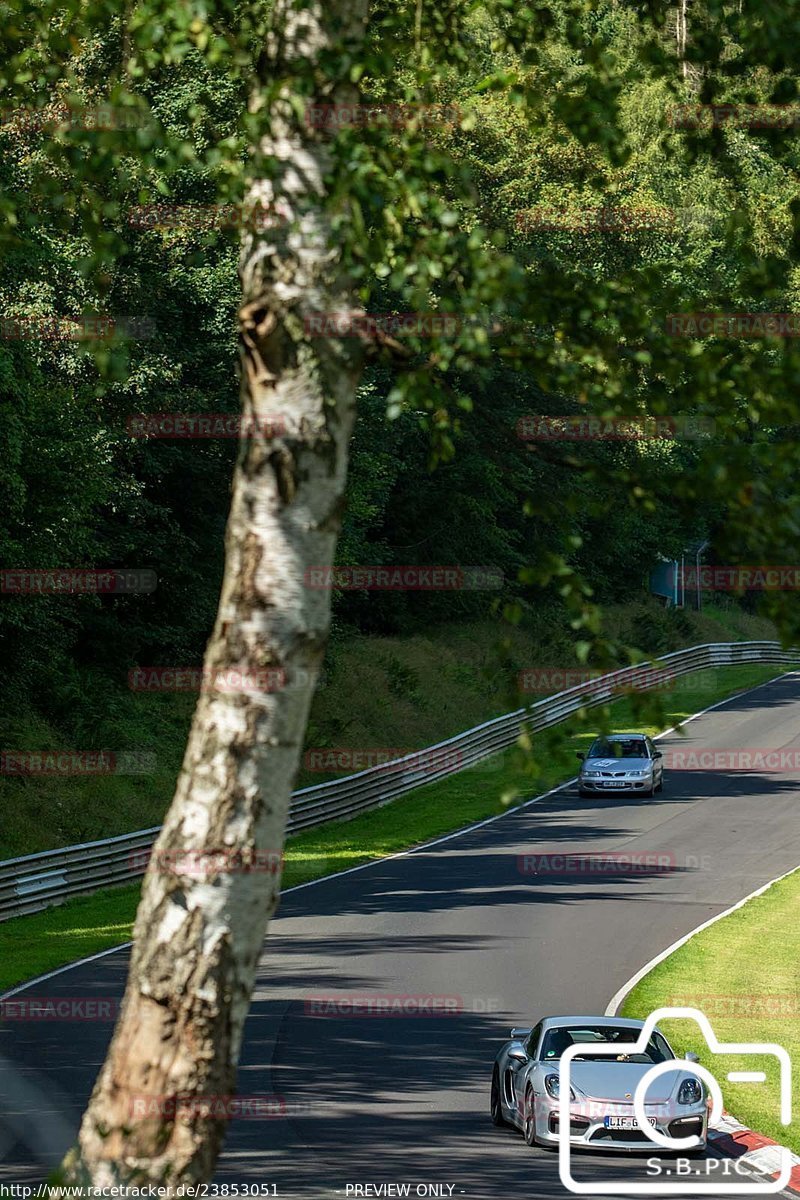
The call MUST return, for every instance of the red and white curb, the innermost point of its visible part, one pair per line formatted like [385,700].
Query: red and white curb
[760,1153]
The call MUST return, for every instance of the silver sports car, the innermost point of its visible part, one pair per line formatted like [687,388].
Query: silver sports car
[621,762]
[526,1081]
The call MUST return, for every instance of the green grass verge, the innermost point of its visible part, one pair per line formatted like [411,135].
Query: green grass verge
[35,944]
[742,973]
[411,691]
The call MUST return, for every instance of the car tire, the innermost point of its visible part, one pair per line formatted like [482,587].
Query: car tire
[495,1101]
[529,1125]
[529,1121]
[661,784]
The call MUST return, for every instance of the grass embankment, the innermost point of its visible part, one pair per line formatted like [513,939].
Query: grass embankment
[744,974]
[377,692]
[33,945]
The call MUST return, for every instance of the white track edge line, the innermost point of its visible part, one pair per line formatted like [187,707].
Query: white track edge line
[618,997]
[20,987]
[374,862]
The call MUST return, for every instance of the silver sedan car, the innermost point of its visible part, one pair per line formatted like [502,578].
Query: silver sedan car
[621,762]
[526,1084]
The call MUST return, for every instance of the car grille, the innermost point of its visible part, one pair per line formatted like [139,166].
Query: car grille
[577,1125]
[613,774]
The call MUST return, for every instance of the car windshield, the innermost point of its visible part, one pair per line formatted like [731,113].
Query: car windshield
[558,1040]
[618,748]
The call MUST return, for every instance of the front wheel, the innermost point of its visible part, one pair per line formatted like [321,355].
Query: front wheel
[495,1104]
[529,1128]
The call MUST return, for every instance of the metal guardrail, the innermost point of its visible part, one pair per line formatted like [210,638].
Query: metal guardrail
[39,880]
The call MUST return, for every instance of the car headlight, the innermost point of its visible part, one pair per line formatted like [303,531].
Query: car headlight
[690,1092]
[638,774]
[590,774]
[553,1086]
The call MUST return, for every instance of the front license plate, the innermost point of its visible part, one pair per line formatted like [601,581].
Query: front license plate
[624,1122]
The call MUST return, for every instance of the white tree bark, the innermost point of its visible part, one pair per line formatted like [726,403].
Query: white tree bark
[198,936]
[682,35]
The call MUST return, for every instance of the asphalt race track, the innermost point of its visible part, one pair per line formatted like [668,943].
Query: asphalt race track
[404,1099]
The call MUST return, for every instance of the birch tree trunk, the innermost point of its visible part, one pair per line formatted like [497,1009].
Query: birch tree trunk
[154,1113]
[682,35]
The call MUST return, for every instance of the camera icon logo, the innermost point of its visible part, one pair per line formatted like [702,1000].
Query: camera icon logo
[646,1125]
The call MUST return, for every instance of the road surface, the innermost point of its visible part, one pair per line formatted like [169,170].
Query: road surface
[403,1100]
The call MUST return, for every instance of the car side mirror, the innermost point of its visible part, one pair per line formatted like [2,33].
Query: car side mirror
[579,754]
[658,754]
[692,1057]
[518,1055]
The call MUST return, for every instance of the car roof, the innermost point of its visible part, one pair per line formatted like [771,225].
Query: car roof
[611,1022]
[619,737]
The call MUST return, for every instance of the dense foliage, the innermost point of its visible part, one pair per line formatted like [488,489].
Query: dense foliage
[563,109]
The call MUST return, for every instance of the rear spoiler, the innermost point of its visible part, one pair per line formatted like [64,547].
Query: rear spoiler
[520,1033]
